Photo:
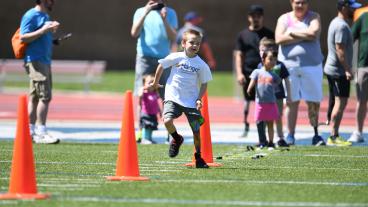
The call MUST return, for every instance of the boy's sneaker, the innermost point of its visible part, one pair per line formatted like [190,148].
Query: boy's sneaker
[175,146]
[271,146]
[44,139]
[337,141]
[199,161]
[318,141]
[282,143]
[356,137]
[246,130]
[290,139]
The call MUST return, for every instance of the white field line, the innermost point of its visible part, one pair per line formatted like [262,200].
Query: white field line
[167,168]
[66,185]
[206,202]
[5,202]
[262,182]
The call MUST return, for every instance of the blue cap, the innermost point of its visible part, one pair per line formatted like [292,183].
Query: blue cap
[351,3]
[191,15]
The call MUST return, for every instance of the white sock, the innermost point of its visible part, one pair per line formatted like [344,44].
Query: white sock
[41,129]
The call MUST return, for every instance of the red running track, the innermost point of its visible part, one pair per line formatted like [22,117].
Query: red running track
[95,107]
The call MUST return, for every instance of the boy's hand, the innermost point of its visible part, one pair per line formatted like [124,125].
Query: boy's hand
[199,104]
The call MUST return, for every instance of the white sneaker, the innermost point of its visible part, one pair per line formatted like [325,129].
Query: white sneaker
[356,137]
[146,141]
[45,139]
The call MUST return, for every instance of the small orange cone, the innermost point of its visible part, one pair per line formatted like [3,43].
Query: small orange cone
[205,132]
[22,184]
[127,163]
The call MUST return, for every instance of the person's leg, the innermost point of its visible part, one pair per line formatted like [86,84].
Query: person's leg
[337,113]
[292,115]
[361,111]
[248,98]
[361,106]
[313,111]
[261,133]
[362,95]
[270,131]
[279,127]
[331,98]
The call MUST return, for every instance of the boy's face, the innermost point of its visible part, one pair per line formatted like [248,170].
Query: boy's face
[191,44]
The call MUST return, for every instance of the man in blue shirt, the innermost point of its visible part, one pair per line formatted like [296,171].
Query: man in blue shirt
[155,27]
[36,31]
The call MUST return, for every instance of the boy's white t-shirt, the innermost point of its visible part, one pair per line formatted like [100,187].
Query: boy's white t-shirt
[187,74]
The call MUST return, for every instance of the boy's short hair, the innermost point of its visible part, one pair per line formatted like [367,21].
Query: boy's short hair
[191,31]
[268,43]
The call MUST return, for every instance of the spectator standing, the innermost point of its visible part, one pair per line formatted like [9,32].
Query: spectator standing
[359,30]
[246,55]
[338,67]
[154,26]
[298,33]
[36,31]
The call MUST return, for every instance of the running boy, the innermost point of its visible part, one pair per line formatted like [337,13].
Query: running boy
[149,109]
[266,108]
[283,73]
[182,94]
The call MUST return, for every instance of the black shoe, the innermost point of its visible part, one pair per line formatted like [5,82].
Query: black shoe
[199,161]
[282,143]
[175,146]
[318,141]
[261,146]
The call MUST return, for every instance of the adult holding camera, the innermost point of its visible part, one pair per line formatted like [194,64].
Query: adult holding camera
[155,27]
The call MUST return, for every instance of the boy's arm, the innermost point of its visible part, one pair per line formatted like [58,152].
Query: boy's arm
[158,74]
[202,90]
[251,85]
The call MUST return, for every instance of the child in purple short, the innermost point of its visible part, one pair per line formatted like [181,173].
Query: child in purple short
[266,109]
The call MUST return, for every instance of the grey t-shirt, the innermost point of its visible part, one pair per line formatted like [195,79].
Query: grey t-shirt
[267,81]
[338,32]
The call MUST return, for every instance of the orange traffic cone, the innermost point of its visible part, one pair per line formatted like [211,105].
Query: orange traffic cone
[22,183]
[205,132]
[127,163]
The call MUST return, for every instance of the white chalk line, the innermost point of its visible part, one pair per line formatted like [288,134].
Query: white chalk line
[205,202]
[262,182]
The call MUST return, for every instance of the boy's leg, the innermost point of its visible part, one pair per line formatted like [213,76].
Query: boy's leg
[170,112]
[195,120]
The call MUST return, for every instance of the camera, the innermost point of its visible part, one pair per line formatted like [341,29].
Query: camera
[159,6]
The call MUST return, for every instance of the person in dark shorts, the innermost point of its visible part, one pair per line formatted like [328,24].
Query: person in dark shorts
[338,67]
[246,55]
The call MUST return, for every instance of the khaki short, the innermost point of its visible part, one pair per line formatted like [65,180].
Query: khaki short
[173,110]
[362,84]
[40,80]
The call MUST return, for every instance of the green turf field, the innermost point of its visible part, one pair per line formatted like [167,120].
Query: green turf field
[304,176]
